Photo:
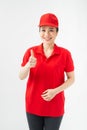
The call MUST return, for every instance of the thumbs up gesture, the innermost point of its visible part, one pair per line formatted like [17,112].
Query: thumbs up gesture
[32,59]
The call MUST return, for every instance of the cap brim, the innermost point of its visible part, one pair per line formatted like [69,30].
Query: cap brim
[47,24]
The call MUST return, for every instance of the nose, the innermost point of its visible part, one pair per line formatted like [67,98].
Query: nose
[47,33]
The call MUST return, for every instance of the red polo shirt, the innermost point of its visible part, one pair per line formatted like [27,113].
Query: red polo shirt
[48,74]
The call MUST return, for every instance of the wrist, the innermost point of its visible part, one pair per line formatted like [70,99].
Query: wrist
[28,66]
[56,90]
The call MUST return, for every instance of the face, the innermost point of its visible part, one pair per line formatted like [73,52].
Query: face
[48,34]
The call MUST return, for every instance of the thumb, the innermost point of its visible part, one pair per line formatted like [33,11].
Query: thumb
[45,91]
[32,53]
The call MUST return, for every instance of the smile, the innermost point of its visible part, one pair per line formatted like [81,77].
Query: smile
[47,39]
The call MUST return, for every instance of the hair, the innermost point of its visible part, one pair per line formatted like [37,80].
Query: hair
[57,29]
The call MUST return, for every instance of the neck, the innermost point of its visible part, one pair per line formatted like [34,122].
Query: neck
[49,46]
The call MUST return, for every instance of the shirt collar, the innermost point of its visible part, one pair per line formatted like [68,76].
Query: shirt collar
[40,49]
[56,49]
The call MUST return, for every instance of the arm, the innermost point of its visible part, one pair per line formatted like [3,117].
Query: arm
[67,83]
[49,94]
[25,70]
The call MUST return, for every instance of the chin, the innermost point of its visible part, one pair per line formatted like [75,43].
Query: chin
[47,42]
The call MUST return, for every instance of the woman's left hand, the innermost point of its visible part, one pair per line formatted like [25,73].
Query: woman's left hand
[48,94]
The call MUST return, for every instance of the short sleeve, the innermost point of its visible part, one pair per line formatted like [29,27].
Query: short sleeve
[25,58]
[69,63]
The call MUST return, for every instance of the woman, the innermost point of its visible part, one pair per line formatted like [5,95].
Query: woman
[46,65]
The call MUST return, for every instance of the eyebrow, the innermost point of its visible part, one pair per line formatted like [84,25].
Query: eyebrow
[51,28]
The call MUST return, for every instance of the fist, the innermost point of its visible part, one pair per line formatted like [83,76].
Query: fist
[48,94]
[32,59]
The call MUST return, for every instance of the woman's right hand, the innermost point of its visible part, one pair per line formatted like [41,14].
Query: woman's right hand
[32,60]
[25,70]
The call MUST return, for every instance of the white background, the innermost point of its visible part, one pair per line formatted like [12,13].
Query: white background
[19,30]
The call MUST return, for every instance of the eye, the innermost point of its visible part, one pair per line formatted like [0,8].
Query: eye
[51,30]
[43,30]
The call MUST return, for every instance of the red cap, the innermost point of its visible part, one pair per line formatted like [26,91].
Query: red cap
[48,19]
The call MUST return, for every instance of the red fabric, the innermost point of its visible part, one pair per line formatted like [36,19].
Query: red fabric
[49,19]
[48,73]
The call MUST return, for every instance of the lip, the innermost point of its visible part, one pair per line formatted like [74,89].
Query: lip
[47,39]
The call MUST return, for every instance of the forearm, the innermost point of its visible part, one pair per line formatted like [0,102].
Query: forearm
[24,71]
[65,85]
